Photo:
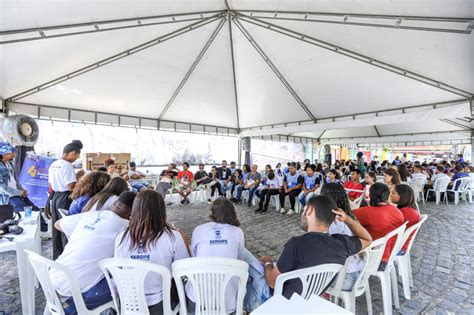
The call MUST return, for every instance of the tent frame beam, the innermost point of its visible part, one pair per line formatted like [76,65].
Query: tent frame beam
[99,26]
[456,124]
[345,19]
[354,55]
[115,57]
[234,77]
[377,131]
[377,113]
[38,108]
[274,68]
[191,69]
[397,135]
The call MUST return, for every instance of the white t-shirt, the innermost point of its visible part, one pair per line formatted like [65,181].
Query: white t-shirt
[356,263]
[218,240]
[60,174]
[134,180]
[91,238]
[165,251]
[107,205]
[273,183]
[418,176]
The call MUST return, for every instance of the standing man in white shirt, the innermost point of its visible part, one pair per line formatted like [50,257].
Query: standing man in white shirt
[62,180]
[92,237]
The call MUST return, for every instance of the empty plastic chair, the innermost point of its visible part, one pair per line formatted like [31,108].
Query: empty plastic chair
[128,277]
[41,266]
[209,278]
[403,262]
[314,279]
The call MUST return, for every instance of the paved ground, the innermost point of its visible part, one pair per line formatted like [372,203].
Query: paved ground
[443,257]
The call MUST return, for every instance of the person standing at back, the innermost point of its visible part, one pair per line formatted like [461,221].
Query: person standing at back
[62,180]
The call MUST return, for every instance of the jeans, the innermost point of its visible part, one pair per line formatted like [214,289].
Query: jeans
[293,194]
[266,195]
[258,290]
[96,296]
[138,186]
[251,192]
[162,188]
[225,188]
[349,280]
[238,192]
[303,199]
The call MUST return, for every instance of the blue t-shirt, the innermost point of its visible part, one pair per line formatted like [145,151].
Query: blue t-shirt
[293,180]
[457,176]
[78,204]
[311,182]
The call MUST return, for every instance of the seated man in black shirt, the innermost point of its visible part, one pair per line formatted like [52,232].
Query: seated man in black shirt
[317,246]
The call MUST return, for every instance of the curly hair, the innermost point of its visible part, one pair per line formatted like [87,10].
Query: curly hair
[337,192]
[90,184]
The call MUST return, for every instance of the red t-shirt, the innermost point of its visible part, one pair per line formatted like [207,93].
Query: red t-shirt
[412,216]
[353,194]
[379,221]
[185,173]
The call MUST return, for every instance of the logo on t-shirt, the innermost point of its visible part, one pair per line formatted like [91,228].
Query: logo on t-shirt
[140,254]
[218,239]
[91,227]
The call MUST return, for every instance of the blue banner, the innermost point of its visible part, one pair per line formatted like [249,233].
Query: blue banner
[34,178]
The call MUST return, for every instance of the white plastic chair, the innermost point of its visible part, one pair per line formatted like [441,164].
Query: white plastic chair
[418,185]
[41,266]
[209,277]
[372,256]
[128,277]
[462,188]
[403,262]
[275,199]
[440,186]
[388,277]
[470,188]
[314,279]
[63,212]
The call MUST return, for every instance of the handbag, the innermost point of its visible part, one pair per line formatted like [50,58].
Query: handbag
[6,213]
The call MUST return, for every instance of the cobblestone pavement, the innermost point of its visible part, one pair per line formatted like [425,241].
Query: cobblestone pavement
[443,257]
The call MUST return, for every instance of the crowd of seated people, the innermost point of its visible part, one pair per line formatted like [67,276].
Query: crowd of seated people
[342,212]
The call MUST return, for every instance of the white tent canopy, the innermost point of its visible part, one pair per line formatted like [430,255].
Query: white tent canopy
[332,71]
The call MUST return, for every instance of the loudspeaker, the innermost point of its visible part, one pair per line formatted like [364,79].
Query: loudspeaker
[328,158]
[246,144]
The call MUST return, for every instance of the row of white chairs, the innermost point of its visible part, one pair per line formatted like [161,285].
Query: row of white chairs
[209,277]
[462,189]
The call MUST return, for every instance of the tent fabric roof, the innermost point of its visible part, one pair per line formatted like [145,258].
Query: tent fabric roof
[251,66]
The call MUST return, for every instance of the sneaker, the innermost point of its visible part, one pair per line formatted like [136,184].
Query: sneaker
[169,203]
[187,201]
[258,210]
[182,201]
[282,211]
[290,213]
[263,211]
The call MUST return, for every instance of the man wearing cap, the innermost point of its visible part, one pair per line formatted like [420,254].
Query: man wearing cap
[136,178]
[10,187]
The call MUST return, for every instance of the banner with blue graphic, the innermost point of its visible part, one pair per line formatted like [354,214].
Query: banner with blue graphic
[34,178]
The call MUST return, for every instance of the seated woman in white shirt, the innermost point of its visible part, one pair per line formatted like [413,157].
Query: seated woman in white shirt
[151,238]
[222,237]
[107,196]
[271,188]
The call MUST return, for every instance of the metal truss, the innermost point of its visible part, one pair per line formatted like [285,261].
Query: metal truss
[54,31]
[274,68]
[193,66]
[400,110]
[234,77]
[440,24]
[454,123]
[42,112]
[116,57]
[377,131]
[354,55]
